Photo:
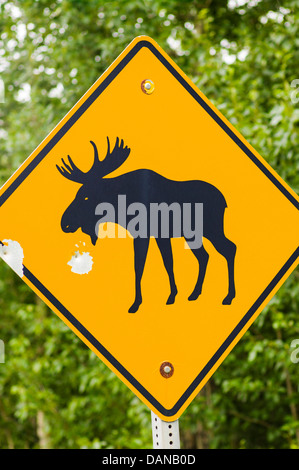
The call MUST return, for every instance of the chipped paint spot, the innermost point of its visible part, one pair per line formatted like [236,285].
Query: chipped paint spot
[81,263]
[12,253]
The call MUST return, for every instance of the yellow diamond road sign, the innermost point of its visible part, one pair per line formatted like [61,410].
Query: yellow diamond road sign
[151,227]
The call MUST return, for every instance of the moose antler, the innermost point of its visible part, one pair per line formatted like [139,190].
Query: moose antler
[114,159]
[72,172]
[100,168]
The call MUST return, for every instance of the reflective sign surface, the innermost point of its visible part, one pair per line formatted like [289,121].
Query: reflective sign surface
[151,227]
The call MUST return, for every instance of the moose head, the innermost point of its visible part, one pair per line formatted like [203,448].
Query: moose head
[81,212]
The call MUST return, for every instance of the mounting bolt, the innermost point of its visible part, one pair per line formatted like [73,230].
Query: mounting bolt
[147,86]
[166,369]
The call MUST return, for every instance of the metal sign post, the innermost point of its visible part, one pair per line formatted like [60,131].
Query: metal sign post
[166,435]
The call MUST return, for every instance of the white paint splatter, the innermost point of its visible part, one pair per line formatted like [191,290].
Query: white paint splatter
[81,263]
[12,253]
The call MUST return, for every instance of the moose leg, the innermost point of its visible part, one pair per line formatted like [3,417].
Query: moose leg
[164,245]
[227,249]
[140,252]
[202,258]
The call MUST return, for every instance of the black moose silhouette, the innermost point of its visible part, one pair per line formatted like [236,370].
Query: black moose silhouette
[146,187]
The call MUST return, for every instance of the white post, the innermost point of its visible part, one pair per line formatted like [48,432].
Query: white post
[165,435]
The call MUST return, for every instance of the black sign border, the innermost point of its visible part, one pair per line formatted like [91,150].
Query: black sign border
[55,302]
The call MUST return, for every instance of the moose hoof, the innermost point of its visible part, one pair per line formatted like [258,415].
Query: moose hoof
[172,297]
[170,300]
[228,300]
[134,307]
[194,295]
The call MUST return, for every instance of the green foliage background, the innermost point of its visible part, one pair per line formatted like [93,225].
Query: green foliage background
[243,54]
